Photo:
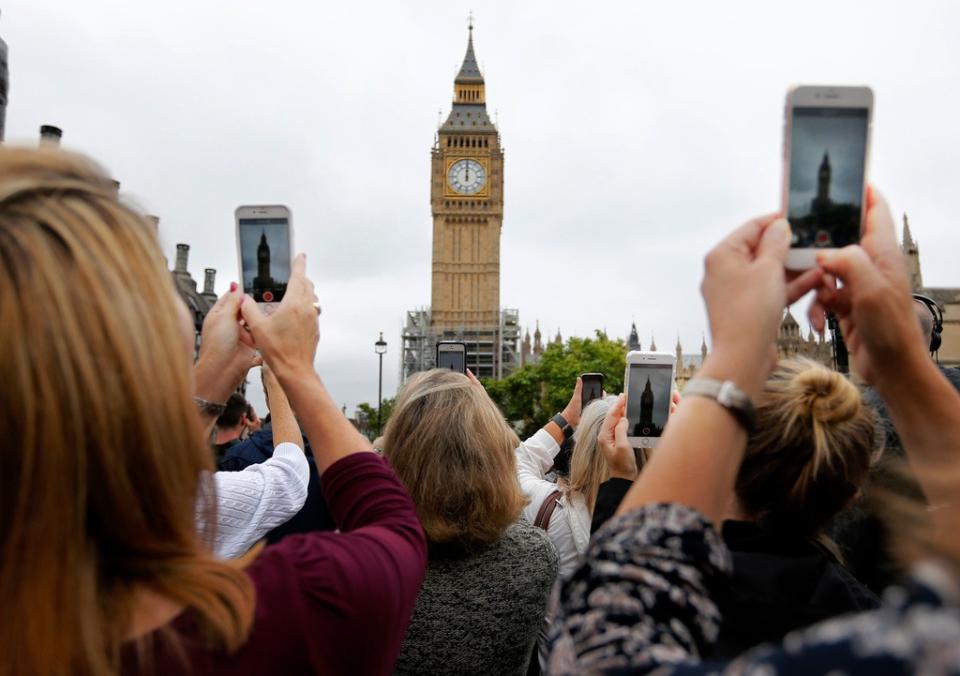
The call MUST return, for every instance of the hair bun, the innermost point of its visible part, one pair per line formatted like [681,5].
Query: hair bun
[827,396]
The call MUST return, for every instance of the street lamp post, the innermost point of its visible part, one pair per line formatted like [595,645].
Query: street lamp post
[380,347]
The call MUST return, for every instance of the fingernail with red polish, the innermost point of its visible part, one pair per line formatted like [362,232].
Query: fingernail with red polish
[233,287]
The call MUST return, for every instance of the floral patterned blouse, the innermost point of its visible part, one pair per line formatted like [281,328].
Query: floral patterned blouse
[642,601]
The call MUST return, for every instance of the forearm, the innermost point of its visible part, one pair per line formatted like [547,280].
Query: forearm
[925,412]
[698,457]
[282,421]
[331,435]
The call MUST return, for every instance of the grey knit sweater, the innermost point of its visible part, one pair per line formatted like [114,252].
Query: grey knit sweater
[480,614]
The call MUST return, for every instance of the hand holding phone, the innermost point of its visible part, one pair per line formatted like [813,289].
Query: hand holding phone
[649,384]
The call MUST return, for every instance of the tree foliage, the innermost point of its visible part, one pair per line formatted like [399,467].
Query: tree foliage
[369,413]
[534,393]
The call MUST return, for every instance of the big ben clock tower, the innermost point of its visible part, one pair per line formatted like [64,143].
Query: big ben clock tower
[466,203]
[466,200]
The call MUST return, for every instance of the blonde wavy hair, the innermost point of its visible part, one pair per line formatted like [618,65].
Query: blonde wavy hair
[811,451]
[103,450]
[451,447]
[588,466]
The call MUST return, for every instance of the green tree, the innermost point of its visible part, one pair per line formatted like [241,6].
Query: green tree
[369,411]
[534,393]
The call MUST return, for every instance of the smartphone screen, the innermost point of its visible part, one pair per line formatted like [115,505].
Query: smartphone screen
[591,388]
[453,359]
[265,257]
[648,399]
[828,149]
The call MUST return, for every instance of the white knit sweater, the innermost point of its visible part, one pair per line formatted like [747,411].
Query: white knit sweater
[257,499]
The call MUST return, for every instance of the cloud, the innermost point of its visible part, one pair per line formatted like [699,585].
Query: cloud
[636,135]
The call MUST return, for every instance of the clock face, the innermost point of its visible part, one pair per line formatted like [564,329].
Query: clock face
[467,177]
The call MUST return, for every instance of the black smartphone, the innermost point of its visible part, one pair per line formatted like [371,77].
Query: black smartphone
[452,355]
[591,387]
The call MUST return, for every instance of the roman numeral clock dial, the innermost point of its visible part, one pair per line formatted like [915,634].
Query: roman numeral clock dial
[466,177]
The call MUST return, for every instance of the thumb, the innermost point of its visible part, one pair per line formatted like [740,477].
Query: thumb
[775,241]
[251,314]
[850,264]
[620,433]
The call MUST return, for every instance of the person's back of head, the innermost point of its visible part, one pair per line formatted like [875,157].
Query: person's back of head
[588,467]
[811,450]
[235,412]
[451,447]
[98,507]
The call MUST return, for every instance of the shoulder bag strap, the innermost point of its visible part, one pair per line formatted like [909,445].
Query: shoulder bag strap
[546,510]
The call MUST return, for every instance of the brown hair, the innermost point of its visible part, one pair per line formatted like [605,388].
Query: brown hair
[588,466]
[451,447]
[811,450]
[103,451]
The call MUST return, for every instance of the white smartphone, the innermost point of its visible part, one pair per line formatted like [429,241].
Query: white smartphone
[826,148]
[265,251]
[648,383]
[452,355]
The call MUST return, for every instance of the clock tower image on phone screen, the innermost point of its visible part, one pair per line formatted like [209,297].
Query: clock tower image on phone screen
[466,201]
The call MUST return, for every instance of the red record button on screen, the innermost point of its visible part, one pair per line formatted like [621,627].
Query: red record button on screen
[267,296]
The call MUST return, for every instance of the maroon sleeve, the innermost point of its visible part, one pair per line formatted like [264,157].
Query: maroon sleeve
[353,590]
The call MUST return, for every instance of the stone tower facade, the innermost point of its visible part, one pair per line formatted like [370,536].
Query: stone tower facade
[466,205]
[466,200]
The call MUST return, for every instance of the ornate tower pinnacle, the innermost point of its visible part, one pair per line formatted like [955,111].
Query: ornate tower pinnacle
[633,342]
[653,343]
[679,351]
[911,250]
[703,347]
[468,86]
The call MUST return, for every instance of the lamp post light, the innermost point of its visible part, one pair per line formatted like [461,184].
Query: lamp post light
[380,347]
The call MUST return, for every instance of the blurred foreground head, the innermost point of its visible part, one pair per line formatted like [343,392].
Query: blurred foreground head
[103,450]
[451,447]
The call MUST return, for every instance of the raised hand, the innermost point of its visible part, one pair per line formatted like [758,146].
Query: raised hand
[874,305]
[288,337]
[573,409]
[612,439]
[746,288]
[226,350]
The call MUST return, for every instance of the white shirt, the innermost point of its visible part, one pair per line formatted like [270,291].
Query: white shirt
[257,499]
[569,527]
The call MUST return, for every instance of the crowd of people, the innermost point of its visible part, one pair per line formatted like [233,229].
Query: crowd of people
[150,523]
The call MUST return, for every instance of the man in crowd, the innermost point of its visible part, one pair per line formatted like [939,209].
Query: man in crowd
[231,425]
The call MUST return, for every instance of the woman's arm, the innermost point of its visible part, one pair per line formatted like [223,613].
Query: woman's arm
[664,535]
[887,349]
[283,423]
[745,291]
[288,341]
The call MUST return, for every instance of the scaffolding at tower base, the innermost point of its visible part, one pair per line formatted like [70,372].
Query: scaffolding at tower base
[492,351]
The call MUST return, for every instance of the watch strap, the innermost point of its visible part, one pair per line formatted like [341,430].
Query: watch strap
[564,426]
[727,394]
[210,408]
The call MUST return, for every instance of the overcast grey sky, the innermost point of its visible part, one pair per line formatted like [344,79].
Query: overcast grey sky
[636,135]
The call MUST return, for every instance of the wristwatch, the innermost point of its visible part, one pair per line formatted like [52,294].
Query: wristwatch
[564,426]
[210,408]
[727,394]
